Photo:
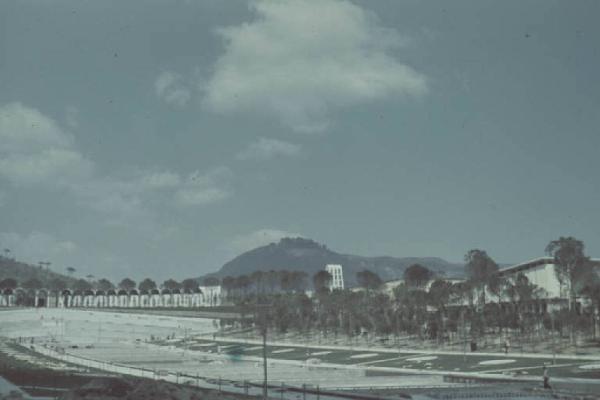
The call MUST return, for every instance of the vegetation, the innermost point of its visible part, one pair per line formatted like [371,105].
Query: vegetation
[426,306]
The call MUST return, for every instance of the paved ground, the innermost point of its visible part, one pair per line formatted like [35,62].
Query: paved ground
[185,345]
[382,359]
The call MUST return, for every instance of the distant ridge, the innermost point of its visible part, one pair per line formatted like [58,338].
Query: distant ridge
[309,256]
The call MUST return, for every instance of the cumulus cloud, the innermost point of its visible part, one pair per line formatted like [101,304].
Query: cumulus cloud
[260,237]
[34,149]
[170,88]
[205,188]
[301,60]
[265,149]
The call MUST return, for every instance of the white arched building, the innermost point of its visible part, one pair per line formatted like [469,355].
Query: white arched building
[206,296]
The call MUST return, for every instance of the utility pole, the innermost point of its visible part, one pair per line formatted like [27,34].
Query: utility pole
[262,311]
[264,329]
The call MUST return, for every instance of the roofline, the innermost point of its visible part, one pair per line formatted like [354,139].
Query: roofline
[524,265]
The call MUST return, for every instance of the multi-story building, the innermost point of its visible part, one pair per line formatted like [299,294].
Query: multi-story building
[337,276]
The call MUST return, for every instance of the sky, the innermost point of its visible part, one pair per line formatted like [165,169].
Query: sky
[162,138]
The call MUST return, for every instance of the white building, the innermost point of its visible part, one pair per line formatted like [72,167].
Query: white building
[337,276]
[540,272]
[211,296]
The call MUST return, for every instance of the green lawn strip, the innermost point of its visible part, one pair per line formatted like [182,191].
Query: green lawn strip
[574,372]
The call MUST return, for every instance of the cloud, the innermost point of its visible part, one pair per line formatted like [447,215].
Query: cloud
[265,149]
[72,116]
[37,246]
[299,61]
[261,237]
[34,149]
[205,188]
[160,180]
[170,88]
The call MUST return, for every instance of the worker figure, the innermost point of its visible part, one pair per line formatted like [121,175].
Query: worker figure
[506,346]
[546,379]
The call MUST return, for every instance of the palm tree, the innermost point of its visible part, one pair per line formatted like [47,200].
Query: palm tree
[70,271]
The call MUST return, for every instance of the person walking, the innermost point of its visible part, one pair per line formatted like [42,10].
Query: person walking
[506,346]
[546,379]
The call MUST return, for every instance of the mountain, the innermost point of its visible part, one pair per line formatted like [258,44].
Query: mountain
[21,272]
[306,255]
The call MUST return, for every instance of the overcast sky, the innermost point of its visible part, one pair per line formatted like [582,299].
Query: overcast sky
[162,138]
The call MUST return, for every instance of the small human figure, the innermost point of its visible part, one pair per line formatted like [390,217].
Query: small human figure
[506,346]
[546,379]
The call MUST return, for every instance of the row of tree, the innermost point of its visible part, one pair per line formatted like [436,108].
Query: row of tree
[429,307]
[127,284]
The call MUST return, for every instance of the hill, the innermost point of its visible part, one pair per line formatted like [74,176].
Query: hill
[299,254]
[21,272]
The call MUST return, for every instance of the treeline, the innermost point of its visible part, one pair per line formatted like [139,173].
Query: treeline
[264,283]
[428,307]
[127,284]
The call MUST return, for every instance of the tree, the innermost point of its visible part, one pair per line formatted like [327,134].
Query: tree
[210,281]
[57,284]
[228,285]
[368,280]
[297,281]
[32,283]
[147,285]
[82,285]
[521,293]
[571,266]
[71,271]
[105,285]
[592,291]
[417,276]
[189,284]
[8,283]
[439,295]
[257,278]
[321,281]
[171,284]
[127,284]
[482,272]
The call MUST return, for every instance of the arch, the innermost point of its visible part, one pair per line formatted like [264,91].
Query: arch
[41,298]
[134,299]
[166,299]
